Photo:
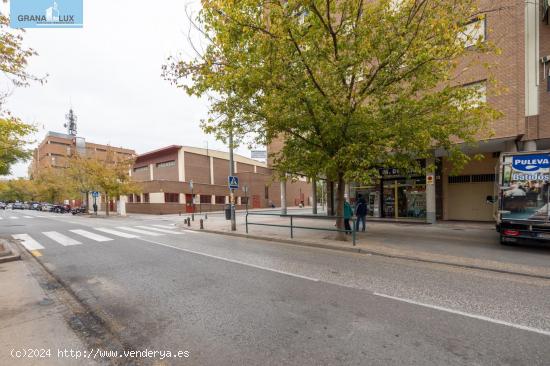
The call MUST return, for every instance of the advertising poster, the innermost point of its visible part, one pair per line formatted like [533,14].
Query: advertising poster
[525,187]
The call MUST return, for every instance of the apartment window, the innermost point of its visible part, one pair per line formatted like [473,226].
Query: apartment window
[166,164]
[266,192]
[474,32]
[480,87]
[59,143]
[172,197]
[141,168]
[220,200]
[205,198]
[138,198]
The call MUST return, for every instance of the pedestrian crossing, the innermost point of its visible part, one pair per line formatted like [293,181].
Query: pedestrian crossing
[75,237]
[16,217]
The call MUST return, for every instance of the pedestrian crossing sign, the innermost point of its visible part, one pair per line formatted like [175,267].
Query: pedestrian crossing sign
[233,182]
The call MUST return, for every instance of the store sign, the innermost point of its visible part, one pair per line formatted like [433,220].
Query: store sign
[530,167]
[389,171]
[46,14]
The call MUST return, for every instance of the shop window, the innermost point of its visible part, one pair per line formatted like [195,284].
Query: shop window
[146,197]
[220,200]
[205,198]
[171,197]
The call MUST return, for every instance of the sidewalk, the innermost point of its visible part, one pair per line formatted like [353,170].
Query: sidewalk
[33,318]
[472,245]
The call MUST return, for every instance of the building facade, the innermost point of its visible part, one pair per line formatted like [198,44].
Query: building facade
[56,149]
[183,179]
[521,93]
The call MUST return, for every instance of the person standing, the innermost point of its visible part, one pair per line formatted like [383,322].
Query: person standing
[348,213]
[361,213]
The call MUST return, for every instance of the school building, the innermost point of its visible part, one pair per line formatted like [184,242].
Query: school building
[183,179]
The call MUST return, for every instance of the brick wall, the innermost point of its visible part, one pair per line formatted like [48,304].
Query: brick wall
[197,168]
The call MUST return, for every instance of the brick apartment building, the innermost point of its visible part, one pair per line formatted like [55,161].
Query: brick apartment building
[520,30]
[165,175]
[56,148]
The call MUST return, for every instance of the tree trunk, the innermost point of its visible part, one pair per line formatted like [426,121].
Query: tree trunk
[106,204]
[340,206]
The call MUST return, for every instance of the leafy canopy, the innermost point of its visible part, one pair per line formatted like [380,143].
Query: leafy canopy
[350,85]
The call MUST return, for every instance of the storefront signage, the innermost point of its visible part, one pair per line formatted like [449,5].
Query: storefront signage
[46,14]
[530,167]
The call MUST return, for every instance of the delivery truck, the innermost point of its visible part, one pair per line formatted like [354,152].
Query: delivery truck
[522,197]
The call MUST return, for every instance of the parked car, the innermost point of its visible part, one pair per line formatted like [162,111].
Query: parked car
[60,208]
[2,206]
[26,206]
[17,206]
[46,207]
[79,210]
[35,206]
[9,206]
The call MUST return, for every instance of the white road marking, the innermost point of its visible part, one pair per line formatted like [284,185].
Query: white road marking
[90,235]
[138,231]
[14,217]
[159,230]
[474,316]
[28,217]
[1,218]
[165,226]
[233,261]
[60,238]
[28,242]
[116,232]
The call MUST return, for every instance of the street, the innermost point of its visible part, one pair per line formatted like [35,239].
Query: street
[235,301]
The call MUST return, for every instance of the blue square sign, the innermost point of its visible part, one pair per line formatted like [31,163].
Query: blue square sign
[233,182]
[46,14]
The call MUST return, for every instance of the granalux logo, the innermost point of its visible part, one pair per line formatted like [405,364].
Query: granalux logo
[531,163]
[46,13]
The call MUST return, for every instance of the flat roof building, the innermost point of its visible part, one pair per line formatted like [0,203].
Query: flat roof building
[165,177]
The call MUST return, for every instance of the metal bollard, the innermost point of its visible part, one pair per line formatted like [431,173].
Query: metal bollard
[188,221]
[179,213]
[193,216]
[206,216]
[202,224]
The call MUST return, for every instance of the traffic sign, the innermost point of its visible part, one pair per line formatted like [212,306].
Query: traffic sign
[233,182]
[95,194]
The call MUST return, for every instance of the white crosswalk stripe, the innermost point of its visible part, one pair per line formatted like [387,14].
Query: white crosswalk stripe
[28,242]
[14,217]
[165,226]
[28,217]
[165,231]
[90,235]
[60,238]
[116,232]
[127,228]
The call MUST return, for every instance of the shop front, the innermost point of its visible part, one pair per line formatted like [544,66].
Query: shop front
[395,196]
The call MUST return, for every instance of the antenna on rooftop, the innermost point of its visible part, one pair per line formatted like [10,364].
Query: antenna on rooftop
[71,122]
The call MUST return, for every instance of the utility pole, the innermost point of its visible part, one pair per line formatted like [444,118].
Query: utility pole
[231,190]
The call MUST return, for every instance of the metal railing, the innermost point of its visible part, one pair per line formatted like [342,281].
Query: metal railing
[292,226]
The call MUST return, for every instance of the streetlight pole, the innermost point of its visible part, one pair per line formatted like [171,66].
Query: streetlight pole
[231,190]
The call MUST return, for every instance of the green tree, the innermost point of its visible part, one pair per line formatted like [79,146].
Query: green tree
[109,176]
[350,85]
[14,133]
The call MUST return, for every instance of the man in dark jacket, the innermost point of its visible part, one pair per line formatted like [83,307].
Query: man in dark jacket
[361,213]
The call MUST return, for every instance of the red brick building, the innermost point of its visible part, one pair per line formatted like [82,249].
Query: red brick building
[165,176]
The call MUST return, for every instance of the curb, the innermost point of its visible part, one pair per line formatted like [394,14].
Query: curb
[372,252]
[10,254]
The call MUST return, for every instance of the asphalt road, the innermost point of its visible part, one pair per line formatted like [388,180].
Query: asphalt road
[231,301]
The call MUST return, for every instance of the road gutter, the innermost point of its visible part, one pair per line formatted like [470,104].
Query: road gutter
[304,243]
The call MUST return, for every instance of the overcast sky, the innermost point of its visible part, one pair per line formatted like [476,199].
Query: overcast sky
[110,72]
